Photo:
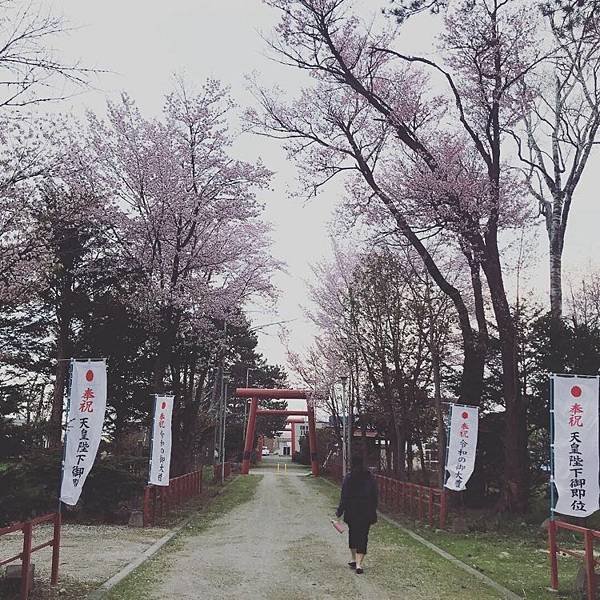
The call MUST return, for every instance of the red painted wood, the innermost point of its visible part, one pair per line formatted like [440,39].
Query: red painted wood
[249,436]
[274,393]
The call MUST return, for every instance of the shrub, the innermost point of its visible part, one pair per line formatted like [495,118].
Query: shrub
[30,487]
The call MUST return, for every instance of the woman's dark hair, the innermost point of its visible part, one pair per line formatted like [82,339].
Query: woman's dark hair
[357,463]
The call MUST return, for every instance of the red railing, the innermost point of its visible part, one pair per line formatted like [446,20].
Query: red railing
[159,500]
[25,555]
[218,470]
[588,553]
[420,501]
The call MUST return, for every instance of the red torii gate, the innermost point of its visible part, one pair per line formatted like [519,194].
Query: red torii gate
[257,393]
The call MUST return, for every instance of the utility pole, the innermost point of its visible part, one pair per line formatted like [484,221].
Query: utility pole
[223,433]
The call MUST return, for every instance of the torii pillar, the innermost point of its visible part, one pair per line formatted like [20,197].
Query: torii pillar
[255,394]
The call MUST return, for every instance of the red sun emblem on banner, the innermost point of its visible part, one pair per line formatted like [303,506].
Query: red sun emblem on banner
[163,405]
[89,375]
[465,415]
[575,391]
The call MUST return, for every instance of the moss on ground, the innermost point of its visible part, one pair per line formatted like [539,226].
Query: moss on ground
[138,584]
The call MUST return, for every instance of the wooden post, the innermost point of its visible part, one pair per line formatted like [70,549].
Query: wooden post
[430,507]
[56,548]
[443,508]
[249,436]
[589,564]
[553,559]
[26,559]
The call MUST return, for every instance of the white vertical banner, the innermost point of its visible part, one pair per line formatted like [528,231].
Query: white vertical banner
[160,456]
[87,405]
[576,465]
[462,445]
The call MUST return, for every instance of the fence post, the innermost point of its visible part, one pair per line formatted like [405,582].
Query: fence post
[146,513]
[26,559]
[56,548]
[443,509]
[553,550]
[589,564]
[430,507]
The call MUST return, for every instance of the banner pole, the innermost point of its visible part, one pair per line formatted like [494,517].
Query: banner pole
[64,448]
[155,397]
[551,413]
[447,448]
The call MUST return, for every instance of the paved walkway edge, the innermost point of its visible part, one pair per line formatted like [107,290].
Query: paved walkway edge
[459,563]
[100,592]
[133,565]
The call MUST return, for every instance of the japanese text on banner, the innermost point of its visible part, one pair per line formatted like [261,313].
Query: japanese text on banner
[160,459]
[462,445]
[576,461]
[87,405]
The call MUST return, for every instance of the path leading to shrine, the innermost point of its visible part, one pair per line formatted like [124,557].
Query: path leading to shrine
[280,545]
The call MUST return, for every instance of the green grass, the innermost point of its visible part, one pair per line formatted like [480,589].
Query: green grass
[141,581]
[518,559]
[511,551]
[400,564]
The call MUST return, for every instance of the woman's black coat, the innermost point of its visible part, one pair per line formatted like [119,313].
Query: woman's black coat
[358,502]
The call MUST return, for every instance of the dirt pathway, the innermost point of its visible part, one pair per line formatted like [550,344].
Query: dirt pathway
[280,545]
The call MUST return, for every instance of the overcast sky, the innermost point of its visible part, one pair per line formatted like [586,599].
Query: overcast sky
[145,42]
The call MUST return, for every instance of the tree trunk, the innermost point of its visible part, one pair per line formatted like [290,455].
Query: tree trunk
[555,248]
[424,470]
[441,429]
[514,497]
[61,373]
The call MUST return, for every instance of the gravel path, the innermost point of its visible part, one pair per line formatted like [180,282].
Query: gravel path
[88,553]
[279,546]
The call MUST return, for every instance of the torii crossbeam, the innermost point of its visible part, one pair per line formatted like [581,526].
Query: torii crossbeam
[255,394]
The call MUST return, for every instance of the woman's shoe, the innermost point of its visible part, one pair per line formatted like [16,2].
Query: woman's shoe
[359,571]
[352,565]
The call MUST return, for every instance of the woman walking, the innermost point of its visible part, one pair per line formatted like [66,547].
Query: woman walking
[358,504]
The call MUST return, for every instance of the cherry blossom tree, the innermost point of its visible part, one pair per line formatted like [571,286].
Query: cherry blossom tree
[189,215]
[489,47]
[381,319]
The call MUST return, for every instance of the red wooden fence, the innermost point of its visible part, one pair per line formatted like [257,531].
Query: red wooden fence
[420,501]
[218,469]
[588,555]
[25,555]
[159,500]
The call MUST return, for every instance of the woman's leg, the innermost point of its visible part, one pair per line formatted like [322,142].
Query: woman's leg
[352,542]
[361,545]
